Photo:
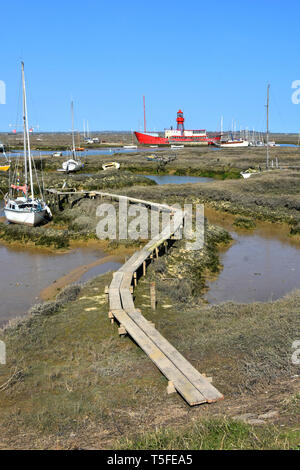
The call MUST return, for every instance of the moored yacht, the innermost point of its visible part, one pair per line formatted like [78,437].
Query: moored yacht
[26,209]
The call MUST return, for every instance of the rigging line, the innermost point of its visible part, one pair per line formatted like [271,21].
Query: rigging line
[281,117]
[32,106]
[37,180]
[18,119]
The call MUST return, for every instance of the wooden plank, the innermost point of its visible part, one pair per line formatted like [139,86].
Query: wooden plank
[114,291]
[181,383]
[114,299]
[201,383]
[116,280]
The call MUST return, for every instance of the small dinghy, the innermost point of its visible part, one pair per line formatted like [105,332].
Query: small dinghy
[246,174]
[110,165]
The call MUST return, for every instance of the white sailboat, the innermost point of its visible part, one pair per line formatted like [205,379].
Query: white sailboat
[246,174]
[26,209]
[73,164]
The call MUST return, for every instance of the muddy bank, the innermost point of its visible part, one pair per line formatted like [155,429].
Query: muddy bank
[97,180]
[51,291]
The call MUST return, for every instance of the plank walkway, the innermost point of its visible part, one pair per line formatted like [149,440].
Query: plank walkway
[186,380]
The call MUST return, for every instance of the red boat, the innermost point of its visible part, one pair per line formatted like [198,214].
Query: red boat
[177,136]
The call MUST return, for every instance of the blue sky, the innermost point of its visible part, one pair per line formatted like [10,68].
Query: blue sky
[207,58]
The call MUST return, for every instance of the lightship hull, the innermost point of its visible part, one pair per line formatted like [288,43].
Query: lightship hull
[148,139]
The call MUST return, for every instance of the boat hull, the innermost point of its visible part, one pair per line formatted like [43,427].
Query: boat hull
[232,145]
[26,218]
[148,139]
[111,165]
[71,166]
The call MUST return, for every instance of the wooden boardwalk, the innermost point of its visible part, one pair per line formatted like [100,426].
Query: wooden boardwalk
[182,376]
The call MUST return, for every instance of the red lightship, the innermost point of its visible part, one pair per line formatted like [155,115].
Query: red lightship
[177,136]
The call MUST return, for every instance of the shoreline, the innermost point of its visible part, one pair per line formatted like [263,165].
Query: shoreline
[49,293]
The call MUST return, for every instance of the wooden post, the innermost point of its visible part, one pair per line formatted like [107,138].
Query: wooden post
[122,331]
[156,252]
[144,268]
[170,388]
[106,291]
[110,315]
[209,379]
[134,279]
[153,295]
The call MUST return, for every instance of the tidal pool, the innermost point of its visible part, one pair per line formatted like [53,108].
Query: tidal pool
[260,265]
[24,273]
[173,179]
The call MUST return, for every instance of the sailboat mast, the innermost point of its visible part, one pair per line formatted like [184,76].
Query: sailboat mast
[27,132]
[24,136]
[73,138]
[268,92]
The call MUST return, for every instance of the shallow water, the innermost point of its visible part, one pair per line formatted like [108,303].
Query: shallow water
[256,269]
[102,151]
[24,273]
[260,265]
[87,152]
[173,179]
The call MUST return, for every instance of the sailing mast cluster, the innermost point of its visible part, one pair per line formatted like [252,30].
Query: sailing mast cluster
[26,209]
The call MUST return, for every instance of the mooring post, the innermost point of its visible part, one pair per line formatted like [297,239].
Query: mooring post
[170,388]
[153,295]
[111,317]
[106,291]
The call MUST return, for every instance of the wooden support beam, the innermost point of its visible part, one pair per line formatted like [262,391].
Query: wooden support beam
[111,317]
[144,268]
[122,330]
[106,291]
[170,388]
[153,295]
[209,379]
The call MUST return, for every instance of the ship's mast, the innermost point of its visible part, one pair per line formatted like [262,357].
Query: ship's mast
[73,138]
[144,113]
[26,136]
[268,92]
[24,139]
